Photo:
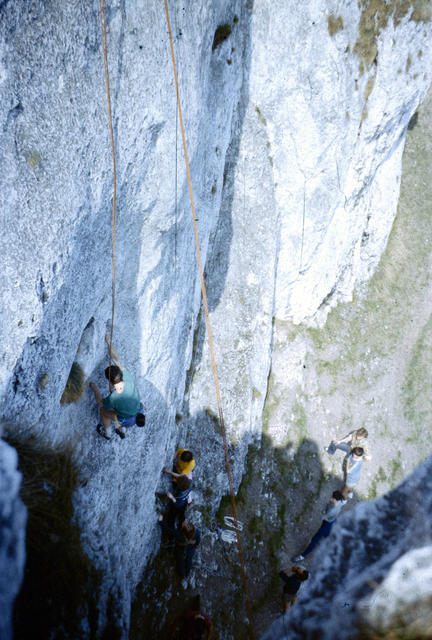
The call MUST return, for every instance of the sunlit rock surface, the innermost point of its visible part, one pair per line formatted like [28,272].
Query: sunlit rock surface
[12,537]
[295,120]
[373,573]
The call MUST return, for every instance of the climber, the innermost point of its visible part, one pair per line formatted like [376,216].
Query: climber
[356,438]
[293,577]
[181,499]
[330,512]
[193,624]
[353,468]
[122,405]
[184,462]
[187,539]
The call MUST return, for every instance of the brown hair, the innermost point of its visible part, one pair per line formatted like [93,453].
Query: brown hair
[301,574]
[358,451]
[362,432]
[186,456]
[114,374]
[188,530]
[183,482]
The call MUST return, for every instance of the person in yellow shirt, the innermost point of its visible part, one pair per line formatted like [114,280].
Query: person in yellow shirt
[184,462]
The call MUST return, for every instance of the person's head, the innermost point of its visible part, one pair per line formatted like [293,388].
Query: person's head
[358,452]
[188,529]
[200,626]
[337,496]
[114,374]
[183,482]
[140,419]
[362,432]
[302,574]
[186,456]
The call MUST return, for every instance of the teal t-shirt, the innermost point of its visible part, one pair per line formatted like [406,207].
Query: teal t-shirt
[126,404]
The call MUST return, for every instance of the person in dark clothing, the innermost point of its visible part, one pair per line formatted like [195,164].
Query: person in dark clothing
[293,579]
[187,540]
[192,625]
[179,499]
[330,513]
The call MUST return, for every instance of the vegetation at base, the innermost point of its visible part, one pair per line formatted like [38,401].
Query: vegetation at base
[379,478]
[75,385]
[60,586]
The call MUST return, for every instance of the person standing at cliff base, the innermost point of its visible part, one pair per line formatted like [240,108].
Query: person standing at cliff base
[293,579]
[353,468]
[357,438]
[187,540]
[330,512]
[122,405]
[192,624]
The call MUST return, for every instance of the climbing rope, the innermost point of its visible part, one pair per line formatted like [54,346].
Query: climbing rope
[103,28]
[209,333]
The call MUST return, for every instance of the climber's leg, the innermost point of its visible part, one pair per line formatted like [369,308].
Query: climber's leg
[106,416]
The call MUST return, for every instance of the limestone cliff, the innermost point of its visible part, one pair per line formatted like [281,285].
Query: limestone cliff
[12,537]
[295,119]
[373,576]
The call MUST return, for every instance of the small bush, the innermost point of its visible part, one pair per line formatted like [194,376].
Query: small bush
[74,386]
[60,585]
[221,34]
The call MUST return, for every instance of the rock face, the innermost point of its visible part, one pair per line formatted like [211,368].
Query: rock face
[12,537]
[295,121]
[374,573]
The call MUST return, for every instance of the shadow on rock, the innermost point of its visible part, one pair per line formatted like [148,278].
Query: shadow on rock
[279,503]
[60,585]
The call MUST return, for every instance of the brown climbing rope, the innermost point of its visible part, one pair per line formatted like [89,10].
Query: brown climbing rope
[209,334]
[103,28]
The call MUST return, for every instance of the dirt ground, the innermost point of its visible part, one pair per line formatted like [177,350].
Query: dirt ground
[368,366]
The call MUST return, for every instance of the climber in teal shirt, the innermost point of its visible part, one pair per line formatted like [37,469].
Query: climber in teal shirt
[122,405]
[126,401]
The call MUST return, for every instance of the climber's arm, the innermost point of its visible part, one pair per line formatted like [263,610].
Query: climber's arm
[113,353]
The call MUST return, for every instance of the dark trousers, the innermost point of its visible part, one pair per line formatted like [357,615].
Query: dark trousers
[184,556]
[175,516]
[322,532]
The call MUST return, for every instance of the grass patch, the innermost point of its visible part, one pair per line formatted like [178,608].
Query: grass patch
[375,16]
[33,158]
[379,478]
[334,24]
[60,585]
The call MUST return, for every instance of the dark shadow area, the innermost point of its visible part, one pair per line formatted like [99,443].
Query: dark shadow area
[279,503]
[60,586]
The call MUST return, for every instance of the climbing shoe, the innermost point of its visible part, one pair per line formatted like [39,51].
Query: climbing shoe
[121,432]
[102,432]
[140,420]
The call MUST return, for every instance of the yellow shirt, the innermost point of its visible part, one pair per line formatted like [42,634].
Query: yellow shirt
[181,466]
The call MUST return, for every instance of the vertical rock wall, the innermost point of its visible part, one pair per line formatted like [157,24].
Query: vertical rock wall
[352,591]
[295,122]
[12,537]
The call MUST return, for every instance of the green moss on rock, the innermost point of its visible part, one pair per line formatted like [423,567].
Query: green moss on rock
[334,24]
